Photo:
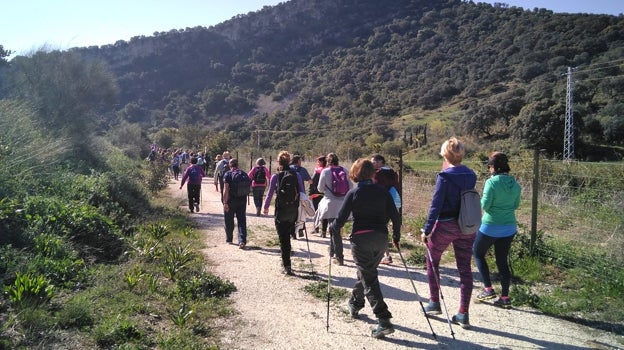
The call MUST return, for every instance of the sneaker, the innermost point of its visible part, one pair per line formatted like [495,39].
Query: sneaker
[257,211]
[486,295]
[339,261]
[288,271]
[461,319]
[301,233]
[241,246]
[433,308]
[197,207]
[386,260]
[384,327]
[504,303]
[354,311]
[324,235]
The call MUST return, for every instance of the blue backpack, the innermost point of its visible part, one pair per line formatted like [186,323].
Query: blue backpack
[241,184]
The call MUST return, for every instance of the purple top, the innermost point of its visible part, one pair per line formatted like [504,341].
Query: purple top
[273,187]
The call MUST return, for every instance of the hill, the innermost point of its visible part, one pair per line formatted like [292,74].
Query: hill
[352,69]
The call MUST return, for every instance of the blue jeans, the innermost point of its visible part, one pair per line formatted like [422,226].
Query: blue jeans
[368,249]
[501,245]
[237,207]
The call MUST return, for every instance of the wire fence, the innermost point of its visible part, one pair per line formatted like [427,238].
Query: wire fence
[579,213]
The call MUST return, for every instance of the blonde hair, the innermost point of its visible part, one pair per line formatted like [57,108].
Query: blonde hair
[283,161]
[453,151]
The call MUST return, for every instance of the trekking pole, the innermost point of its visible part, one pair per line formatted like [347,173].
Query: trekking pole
[435,275]
[328,289]
[309,254]
[409,275]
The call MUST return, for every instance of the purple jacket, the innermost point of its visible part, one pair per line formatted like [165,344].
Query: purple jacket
[446,196]
[191,181]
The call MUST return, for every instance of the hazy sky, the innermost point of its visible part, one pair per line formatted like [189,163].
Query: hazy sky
[29,24]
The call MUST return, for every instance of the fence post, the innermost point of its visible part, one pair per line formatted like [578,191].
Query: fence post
[536,154]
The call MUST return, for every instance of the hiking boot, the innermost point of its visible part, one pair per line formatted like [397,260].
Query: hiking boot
[486,295]
[339,261]
[433,308]
[384,327]
[241,246]
[288,271]
[505,303]
[257,211]
[197,207]
[386,260]
[354,311]
[324,235]
[301,233]
[461,319]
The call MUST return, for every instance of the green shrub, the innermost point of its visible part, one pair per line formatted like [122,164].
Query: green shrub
[29,290]
[76,313]
[204,286]
[176,257]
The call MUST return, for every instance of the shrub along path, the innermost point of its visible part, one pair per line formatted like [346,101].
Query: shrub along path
[275,312]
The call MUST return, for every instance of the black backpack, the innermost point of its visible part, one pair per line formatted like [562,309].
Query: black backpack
[240,185]
[260,176]
[287,199]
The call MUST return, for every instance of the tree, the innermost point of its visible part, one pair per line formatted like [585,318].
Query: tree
[540,124]
[66,91]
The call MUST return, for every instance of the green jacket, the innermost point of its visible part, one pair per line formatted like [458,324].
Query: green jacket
[501,197]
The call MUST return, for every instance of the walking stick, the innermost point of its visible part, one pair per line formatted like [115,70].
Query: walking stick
[309,254]
[328,289]
[409,275]
[435,275]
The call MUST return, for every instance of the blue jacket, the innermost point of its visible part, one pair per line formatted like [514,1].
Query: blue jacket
[446,196]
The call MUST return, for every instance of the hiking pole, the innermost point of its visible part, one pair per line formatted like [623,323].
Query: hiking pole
[409,275]
[435,275]
[328,289]
[308,243]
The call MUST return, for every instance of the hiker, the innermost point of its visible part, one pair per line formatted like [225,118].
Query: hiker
[235,204]
[371,206]
[295,164]
[194,174]
[501,197]
[175,165]
[334,184]
[388,178]
[220,169]
[287,191]
[315,195]
[441,229]
[185,158]
[259,175]
[218,158]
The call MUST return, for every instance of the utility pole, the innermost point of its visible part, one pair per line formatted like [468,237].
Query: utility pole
[568,138]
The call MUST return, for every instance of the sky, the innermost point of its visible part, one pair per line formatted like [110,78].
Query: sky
[27,25]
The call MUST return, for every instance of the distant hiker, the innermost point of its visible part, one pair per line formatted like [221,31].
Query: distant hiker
[221,168]
[237,186]
[371,206]
[194,174]
[185,158]
[389,179]
[286,185]
[218,158]
[201,161]
[334,184]
[260,177]
[315,195]
[175,165]
[295,164]
[441,229]
[501,197]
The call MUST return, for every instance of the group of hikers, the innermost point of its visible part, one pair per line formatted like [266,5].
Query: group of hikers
[368,194]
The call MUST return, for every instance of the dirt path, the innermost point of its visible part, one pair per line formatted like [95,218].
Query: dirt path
[274,312]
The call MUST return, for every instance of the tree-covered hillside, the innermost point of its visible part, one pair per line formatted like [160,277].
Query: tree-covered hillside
[359,69]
